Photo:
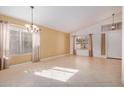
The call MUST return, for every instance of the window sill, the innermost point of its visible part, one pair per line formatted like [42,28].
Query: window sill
[21,54]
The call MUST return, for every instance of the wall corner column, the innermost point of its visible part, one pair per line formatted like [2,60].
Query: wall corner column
[123,45]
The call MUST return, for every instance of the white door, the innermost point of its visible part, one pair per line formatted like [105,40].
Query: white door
[114,44]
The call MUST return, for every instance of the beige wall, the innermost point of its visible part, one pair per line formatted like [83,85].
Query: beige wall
[20,59]
[53,42]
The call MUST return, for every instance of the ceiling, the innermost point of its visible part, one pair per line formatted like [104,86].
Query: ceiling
[62,18]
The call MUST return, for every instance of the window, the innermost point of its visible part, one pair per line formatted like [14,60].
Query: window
[81,42]
[108,27]
[20,41]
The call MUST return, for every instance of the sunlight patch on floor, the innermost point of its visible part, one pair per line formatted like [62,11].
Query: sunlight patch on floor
[57,73]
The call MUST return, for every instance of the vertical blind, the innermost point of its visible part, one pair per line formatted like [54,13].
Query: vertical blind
[20,41]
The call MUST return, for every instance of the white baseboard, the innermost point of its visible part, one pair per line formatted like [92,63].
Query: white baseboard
[53,57]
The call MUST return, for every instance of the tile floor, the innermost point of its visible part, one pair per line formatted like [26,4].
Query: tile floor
[67,71]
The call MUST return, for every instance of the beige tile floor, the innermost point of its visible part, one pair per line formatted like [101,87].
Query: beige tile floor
[68,71]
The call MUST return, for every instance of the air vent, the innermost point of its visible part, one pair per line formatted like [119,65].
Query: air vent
[108,27]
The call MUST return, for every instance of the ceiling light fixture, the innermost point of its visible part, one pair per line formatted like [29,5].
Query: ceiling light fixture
[113,24]
[31,27]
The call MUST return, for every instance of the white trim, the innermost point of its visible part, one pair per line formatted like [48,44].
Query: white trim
[53,57]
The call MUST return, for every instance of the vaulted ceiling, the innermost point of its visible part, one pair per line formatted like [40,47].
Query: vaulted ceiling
[62,18]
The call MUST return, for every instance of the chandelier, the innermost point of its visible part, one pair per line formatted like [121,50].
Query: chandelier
[31,27]
[113,24]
